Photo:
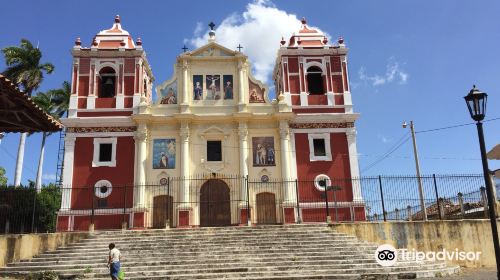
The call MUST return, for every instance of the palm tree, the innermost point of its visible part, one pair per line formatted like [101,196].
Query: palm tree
[24,69]
[54,102]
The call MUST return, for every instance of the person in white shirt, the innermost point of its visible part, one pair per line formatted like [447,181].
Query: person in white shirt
[114,261]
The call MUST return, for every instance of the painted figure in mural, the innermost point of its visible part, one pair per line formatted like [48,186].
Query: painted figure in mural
[170,98]
[213,87]
[270,155]
[255,97]
[228,91]
[197,91]
[163,161]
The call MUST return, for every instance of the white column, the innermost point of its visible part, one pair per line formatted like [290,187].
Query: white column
[243,135]
[290,193]
[185,160]
[184,102]
[241,82]
[353,164]
[69,152]
[140,178]
[120,97]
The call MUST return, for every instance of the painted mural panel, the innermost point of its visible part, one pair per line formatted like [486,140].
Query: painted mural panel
[228,86]
[198,87]
[263,151]
[168,95]
[213,87]
[164,153]
[256,93]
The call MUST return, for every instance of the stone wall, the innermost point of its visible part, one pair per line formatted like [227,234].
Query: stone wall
[464,235]
[15,247]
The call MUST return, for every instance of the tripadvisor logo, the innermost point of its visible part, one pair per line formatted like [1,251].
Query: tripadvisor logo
[387,255]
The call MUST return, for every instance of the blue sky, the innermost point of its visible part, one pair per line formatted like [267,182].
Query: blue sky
[408,60]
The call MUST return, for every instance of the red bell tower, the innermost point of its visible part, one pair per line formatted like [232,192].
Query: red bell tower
[109,81]
[312,77]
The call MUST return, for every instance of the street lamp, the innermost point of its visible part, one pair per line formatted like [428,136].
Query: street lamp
[417,166]
[476,103]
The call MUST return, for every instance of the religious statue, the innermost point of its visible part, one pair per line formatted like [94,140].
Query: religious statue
[198,91]
[228,91]
[213,87]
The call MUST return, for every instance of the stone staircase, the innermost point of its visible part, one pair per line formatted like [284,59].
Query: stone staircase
[263,252]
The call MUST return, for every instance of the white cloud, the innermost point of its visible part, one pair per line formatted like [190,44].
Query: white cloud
[49,177]
[393,73]
[259,30]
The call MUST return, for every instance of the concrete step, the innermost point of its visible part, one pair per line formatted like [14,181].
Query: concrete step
[264,252]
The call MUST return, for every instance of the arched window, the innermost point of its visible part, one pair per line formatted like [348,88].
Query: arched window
[315,80]
[107,82]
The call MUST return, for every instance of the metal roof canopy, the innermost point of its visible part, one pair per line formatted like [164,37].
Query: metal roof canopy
[18,112]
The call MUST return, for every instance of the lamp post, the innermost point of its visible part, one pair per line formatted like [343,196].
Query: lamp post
[417,166]
[476,103]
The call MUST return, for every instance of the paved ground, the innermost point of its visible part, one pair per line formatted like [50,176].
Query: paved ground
[474,274]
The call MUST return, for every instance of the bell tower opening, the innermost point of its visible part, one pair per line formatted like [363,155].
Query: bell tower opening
[315,80]
[107,81]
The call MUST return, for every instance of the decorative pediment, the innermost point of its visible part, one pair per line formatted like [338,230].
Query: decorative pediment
[213,132]
[213,49]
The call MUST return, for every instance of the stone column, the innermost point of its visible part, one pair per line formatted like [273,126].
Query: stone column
[353,164]
[69,154]
[184,206]
[241,89]
[243,138]
[140,179]
[289,190]
[184,102]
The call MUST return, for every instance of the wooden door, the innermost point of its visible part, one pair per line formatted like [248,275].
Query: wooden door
[266,208]
[215,208]
[162,210]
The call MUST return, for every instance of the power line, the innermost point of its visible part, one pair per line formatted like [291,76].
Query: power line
[394,148]
[454,126]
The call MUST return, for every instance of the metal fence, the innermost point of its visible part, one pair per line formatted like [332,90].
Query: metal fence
[222,200]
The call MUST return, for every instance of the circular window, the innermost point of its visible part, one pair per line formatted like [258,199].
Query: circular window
[264,178]
[103,188]
[321,181]
[163,181]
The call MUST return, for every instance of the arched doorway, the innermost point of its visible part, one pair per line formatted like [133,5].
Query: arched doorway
[162,211]
[215,208]
[266,208]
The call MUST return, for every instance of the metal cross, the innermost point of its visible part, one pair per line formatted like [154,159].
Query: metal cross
[212,25]
[185,48]
[239,47]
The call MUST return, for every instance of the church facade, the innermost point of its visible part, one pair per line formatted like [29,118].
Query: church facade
[212,148]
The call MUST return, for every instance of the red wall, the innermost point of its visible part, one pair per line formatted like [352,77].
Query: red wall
[337,169]
[85,176]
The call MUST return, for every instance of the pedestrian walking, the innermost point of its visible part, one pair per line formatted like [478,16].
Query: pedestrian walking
[114,261]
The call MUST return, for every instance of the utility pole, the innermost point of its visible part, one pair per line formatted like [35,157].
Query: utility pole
[417,165]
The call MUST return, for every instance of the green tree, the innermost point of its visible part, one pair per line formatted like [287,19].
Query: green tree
[54,102]
[24,69]
[3,178]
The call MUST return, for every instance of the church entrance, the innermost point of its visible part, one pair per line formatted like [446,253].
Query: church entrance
[162,210]
[266,208]
[215,207]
